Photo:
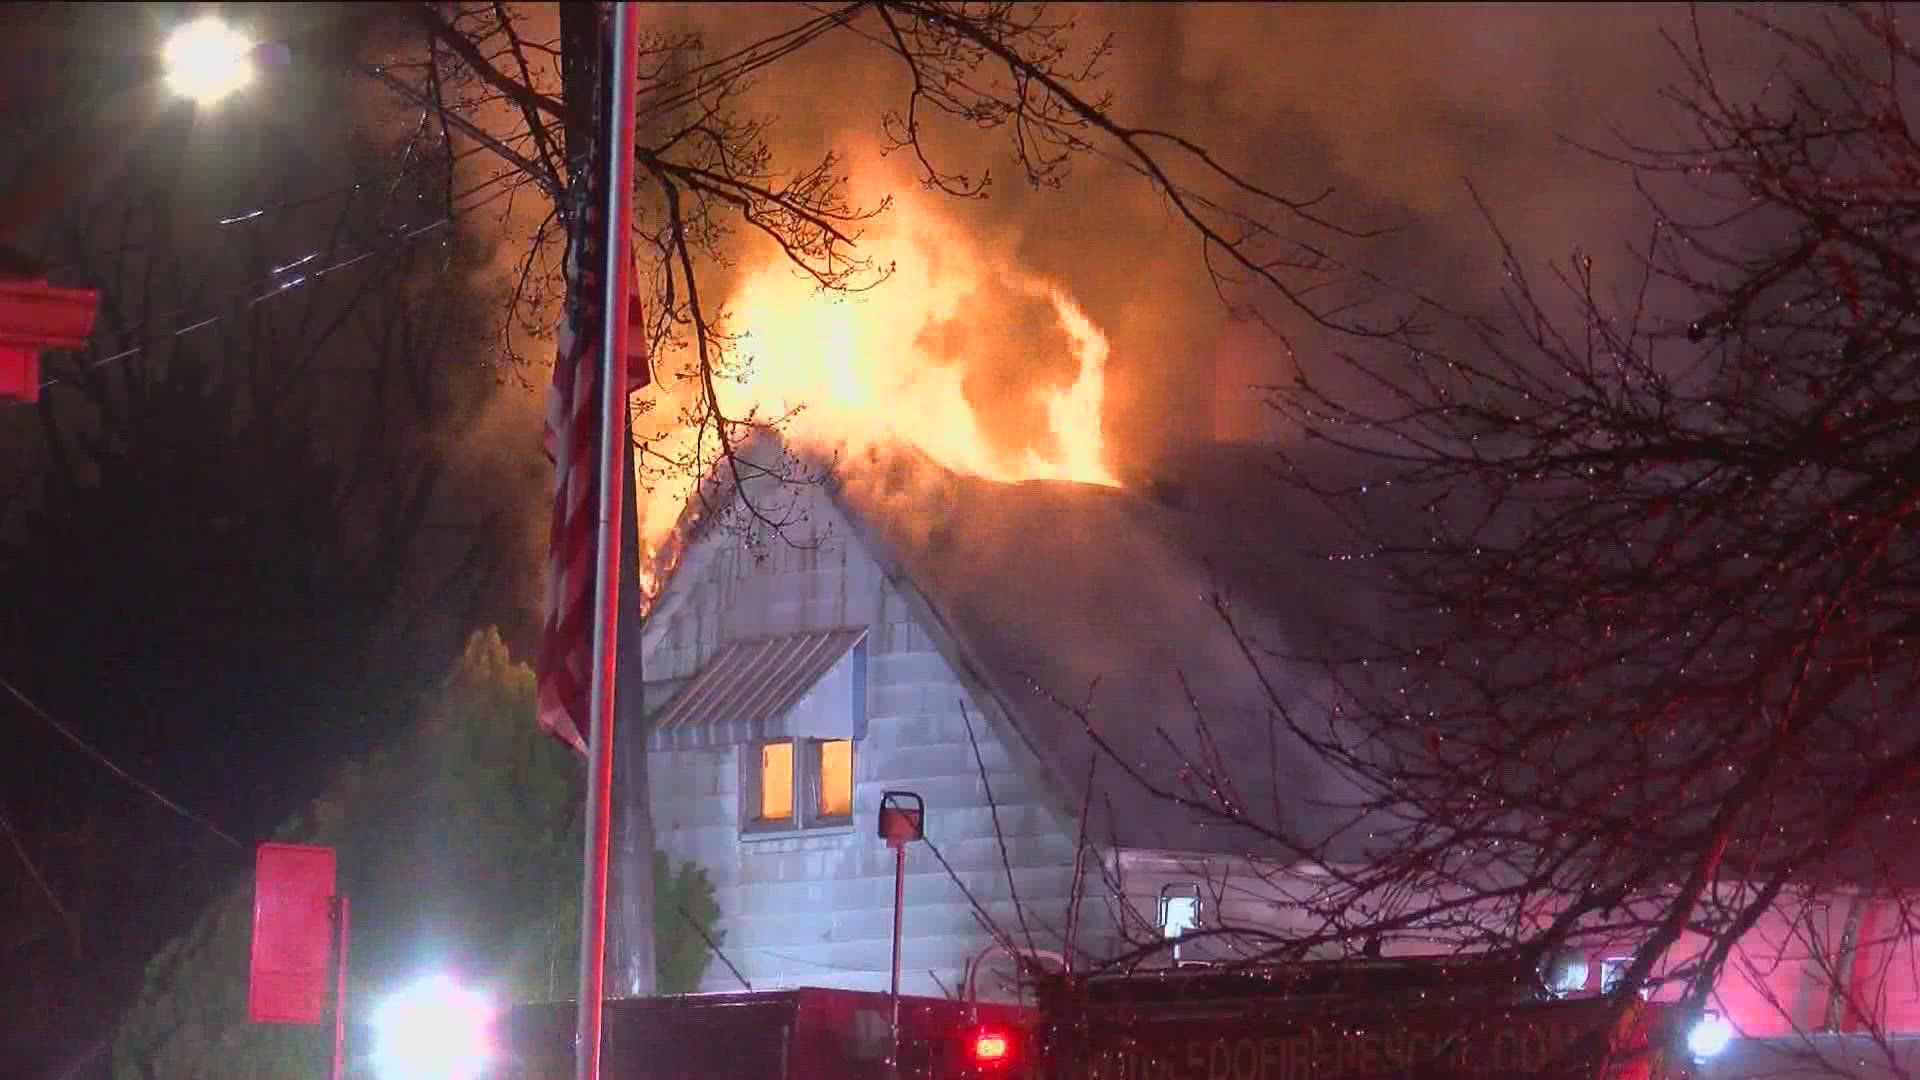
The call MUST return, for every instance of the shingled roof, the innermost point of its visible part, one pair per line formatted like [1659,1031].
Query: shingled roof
[1056,594]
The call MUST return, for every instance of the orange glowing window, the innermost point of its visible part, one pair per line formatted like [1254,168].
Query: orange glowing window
[836,777]
[776,781]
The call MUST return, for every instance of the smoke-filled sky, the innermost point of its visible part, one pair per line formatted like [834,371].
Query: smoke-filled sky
[1391,106]
[974,350]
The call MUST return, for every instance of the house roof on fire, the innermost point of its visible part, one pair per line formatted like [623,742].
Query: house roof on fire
[1098,619]
[1061,601]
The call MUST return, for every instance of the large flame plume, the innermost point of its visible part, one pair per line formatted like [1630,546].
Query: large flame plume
[1387,107]
[902,364]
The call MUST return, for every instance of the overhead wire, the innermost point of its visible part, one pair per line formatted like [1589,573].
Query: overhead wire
[142,327]
[411,166]
[40,879]
[268,210]
[108,763]
[396,239]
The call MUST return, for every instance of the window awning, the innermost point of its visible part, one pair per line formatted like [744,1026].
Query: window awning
[793,686]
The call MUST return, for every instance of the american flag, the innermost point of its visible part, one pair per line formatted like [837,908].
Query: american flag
[572,439]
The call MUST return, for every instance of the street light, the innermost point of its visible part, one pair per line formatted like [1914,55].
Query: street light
[206,59]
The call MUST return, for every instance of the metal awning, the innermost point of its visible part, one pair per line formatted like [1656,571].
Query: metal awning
[752,690]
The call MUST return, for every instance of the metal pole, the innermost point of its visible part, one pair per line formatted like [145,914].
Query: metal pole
[341,909]
[899,907]
[615,143]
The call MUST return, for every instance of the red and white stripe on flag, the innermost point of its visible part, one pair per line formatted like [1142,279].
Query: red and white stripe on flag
[572,438]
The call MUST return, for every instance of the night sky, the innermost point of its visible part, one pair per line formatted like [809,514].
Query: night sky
[231,558]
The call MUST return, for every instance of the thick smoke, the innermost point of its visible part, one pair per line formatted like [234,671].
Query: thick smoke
[1393,109]
[998,379]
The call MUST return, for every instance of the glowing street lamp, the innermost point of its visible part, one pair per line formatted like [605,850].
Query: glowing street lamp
[435,1029]
[206,60]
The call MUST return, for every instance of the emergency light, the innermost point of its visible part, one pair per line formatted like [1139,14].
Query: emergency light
[1708,1036]
[435,1029]
[990,1047]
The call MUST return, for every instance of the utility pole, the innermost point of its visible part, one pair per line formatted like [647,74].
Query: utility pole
[600,269]
[631,948]
[630,945]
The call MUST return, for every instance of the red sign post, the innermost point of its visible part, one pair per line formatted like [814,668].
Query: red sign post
[293,904]
[35,316]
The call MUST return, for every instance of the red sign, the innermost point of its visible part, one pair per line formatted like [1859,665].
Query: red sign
[287,975]
[19,374]
[36,316]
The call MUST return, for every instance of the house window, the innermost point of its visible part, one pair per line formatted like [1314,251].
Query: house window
[1179,913]
[834,772]
[799,784]
[1612,970]
[776,782]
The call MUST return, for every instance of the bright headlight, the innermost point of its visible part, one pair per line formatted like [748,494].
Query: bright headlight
[435,1029]
[1708,1036]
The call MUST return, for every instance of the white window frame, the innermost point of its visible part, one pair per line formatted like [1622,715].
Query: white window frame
[806,790]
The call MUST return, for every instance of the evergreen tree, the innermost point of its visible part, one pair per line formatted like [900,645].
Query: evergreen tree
[459,848]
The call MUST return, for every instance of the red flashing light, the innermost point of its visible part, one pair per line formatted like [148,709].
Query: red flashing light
[992,1047]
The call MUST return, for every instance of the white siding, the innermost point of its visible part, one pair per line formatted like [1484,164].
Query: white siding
[816,909]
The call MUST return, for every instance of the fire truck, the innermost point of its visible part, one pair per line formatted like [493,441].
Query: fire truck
[809,1033]
[1424,1018]
[1432,1018]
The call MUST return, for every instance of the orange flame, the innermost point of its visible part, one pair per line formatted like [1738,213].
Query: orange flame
[856,371]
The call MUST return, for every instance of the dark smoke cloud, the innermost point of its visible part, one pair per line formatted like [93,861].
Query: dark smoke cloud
[998,380]
[1392,107]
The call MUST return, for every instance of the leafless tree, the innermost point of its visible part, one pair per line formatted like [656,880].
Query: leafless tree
[238,505]
[1648,681]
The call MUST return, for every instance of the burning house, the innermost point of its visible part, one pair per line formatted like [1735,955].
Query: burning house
[1051,666]
[944,635]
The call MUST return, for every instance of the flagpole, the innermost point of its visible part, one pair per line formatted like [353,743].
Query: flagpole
[616,133]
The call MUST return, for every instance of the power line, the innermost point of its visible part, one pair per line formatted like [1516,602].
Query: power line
[87,748]
[259,211]
[211,320]
[33,871]
[263,209]
[397,238]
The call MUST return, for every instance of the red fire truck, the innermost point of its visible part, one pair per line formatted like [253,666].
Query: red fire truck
[1428,1018]
[803,1034]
